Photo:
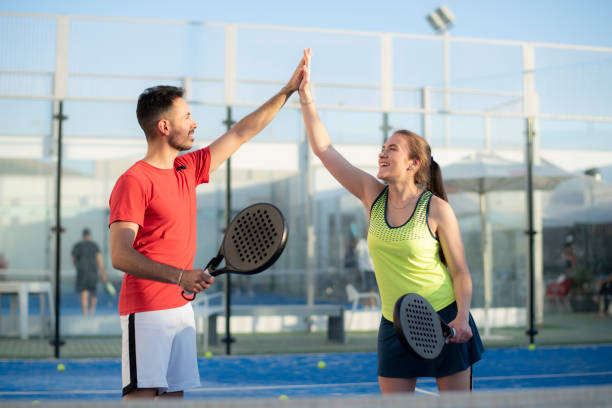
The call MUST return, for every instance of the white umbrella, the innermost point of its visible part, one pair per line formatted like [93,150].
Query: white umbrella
[580,200]
[485,172]
[582,190]
[597,214]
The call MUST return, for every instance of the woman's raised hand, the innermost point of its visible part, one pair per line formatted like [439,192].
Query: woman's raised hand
[304,89]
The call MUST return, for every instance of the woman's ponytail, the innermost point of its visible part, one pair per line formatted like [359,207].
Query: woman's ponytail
[436,185]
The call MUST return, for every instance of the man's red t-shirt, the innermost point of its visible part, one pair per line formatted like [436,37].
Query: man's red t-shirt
[163,204]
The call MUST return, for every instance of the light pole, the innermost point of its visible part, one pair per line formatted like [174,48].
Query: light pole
[441,20]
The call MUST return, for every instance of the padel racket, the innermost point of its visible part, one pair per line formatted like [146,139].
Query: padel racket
[419,327]
[253,241]
[110,289]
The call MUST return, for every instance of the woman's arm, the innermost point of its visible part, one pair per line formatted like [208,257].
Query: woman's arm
[446,229]
[359,183]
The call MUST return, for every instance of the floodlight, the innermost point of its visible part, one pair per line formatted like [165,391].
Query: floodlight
[446,15]
[435,21]
[441,19]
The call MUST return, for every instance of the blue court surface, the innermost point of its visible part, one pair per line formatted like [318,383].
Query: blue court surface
[344,374]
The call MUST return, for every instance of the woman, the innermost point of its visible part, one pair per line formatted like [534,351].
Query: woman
[413,237]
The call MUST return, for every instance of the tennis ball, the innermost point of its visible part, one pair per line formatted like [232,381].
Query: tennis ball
[208,354]
[35,402]
[321,365]
[61,367]
[532,347]
[283,397]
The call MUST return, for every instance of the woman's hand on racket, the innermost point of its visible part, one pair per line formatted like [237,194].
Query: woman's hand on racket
[304,89]
[463,331]
[196,280]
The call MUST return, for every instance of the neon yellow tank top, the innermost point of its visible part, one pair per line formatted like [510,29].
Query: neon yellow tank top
[406,258]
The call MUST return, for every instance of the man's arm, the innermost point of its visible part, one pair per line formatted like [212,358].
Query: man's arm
[125,258]
[101,266]
[223,147]
[73,253]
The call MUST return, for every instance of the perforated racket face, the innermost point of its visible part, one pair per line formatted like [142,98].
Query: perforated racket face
[255,239]
[420,325]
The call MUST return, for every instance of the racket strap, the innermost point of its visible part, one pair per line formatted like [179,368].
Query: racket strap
[447,331]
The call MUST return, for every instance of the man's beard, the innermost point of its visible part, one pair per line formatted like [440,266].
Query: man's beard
[179,146]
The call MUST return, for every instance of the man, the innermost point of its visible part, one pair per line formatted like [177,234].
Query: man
[153,238]
[87,259]
[366,270]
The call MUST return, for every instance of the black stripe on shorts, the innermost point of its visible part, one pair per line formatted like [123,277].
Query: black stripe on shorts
[132,355]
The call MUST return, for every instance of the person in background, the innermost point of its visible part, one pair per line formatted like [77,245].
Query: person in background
[569,258]
[557,292]
[366,270]
[3,265]
[604,290]
[87,259]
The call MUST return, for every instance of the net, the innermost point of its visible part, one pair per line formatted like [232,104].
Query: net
[592,397]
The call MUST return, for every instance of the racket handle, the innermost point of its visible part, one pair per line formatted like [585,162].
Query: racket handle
[448,331]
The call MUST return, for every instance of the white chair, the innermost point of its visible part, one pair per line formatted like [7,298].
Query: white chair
[202,310]
[22,289]
[354,297]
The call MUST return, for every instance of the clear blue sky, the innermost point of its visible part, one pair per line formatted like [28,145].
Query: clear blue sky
[584,22]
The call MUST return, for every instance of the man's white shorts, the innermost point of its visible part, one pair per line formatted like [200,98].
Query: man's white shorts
[159,350]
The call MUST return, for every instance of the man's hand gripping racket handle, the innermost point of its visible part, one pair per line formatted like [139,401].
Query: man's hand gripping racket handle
[211,271]
[187,295]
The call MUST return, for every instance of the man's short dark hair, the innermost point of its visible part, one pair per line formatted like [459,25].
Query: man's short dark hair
[86,232]
[155,101]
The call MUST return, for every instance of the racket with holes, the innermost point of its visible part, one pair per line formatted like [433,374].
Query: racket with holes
[419,327]
[253,241]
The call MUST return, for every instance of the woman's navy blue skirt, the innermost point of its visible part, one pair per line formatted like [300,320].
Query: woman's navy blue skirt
[395,361]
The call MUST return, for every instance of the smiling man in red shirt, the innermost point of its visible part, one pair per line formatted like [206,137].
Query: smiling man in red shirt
[153,238]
